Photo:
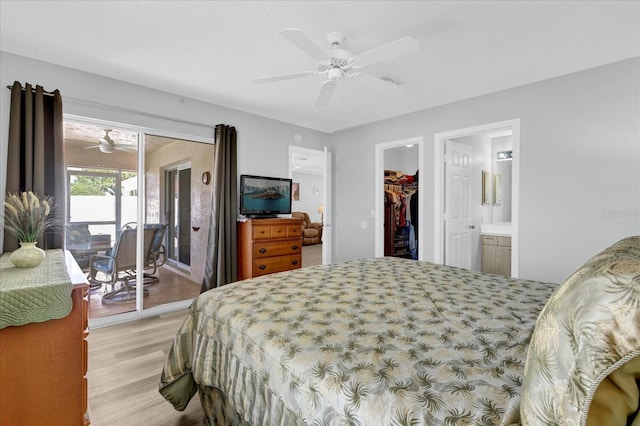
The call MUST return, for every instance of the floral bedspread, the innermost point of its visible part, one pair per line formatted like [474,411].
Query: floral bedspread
[370,342]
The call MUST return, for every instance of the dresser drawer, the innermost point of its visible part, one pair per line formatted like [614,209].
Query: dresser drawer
[261,232]
[294,231]
[275,231]
[269,265]
[268,249]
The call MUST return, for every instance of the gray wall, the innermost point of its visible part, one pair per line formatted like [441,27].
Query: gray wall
[580,166]
[269,138]
[263,144]
[579,173]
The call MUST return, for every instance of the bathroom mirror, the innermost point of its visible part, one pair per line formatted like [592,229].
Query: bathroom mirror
[486,186]
[497,189]
[501,200]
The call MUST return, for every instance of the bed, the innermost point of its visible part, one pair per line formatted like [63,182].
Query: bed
[382,341]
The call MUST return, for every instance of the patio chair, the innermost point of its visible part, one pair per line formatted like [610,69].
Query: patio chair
[157,253]
[119,267]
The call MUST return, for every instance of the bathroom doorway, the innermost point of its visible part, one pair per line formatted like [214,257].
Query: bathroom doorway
[494,190]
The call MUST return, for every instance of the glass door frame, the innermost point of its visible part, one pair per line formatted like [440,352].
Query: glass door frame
[139,312]
[177,168]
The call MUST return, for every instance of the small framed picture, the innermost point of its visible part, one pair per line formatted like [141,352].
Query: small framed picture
[296,191]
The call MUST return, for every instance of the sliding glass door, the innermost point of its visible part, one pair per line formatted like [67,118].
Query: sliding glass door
[140,216]
[102,200]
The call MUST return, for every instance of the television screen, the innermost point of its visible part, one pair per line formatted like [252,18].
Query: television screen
[264,196]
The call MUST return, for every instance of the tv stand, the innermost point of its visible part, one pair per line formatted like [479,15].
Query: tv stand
[268,245]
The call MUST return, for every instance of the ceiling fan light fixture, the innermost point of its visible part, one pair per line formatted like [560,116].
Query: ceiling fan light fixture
[106,149]
[335,74]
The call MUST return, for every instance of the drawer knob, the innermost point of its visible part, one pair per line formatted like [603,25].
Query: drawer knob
[294,247]
[262,267]
[263,250]
[294,262]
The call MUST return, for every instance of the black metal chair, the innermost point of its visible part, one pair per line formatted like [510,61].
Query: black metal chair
[119,267]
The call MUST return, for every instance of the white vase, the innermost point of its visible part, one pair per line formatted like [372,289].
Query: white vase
[27,256]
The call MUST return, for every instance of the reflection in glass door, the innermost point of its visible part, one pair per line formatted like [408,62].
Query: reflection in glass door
[178,214]
[177,197]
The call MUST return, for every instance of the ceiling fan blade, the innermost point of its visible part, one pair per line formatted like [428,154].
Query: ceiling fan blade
[284,77]
[325,93]
[300,39]
[107,141]
[376,83]
[388,51]
[125,148]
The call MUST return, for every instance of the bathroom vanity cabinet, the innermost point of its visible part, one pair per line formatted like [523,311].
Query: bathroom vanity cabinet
[496,254]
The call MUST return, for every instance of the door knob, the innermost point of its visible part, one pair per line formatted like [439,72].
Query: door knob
[471,227]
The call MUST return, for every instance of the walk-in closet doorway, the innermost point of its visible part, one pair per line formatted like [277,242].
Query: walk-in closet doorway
[387,154]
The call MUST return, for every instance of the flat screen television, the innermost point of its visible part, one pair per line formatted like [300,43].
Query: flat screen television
[264,196]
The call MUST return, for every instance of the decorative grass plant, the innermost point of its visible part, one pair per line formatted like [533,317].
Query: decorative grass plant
[26,215]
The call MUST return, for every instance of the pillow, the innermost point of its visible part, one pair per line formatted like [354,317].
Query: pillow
[589,329]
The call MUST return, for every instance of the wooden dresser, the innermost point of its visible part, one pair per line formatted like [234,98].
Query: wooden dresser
[266,246]
[43,365]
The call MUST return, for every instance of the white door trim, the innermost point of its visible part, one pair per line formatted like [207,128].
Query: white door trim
[379,191]
[438,186]
[325,155]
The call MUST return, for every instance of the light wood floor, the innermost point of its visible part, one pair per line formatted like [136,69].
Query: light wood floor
[173,287]
[125,362]
[311,255]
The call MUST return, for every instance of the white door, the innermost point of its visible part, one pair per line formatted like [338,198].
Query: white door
[326,232]
[457,205]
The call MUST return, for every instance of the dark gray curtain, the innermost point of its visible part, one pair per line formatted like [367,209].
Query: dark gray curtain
[221,265]
[35,156]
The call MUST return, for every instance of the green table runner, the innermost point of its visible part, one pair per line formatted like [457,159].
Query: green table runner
[34,294]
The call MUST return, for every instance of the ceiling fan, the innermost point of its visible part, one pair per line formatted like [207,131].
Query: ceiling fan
[340,64]
[107,145]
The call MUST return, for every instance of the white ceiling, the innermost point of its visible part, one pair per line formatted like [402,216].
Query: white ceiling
[212,50]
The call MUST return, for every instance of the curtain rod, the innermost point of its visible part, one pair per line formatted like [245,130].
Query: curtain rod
[147,114]
[33,89]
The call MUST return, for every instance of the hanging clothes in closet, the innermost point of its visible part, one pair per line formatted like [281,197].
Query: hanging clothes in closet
[399,232]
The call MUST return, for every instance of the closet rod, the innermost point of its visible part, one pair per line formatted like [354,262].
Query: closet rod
[146,114]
